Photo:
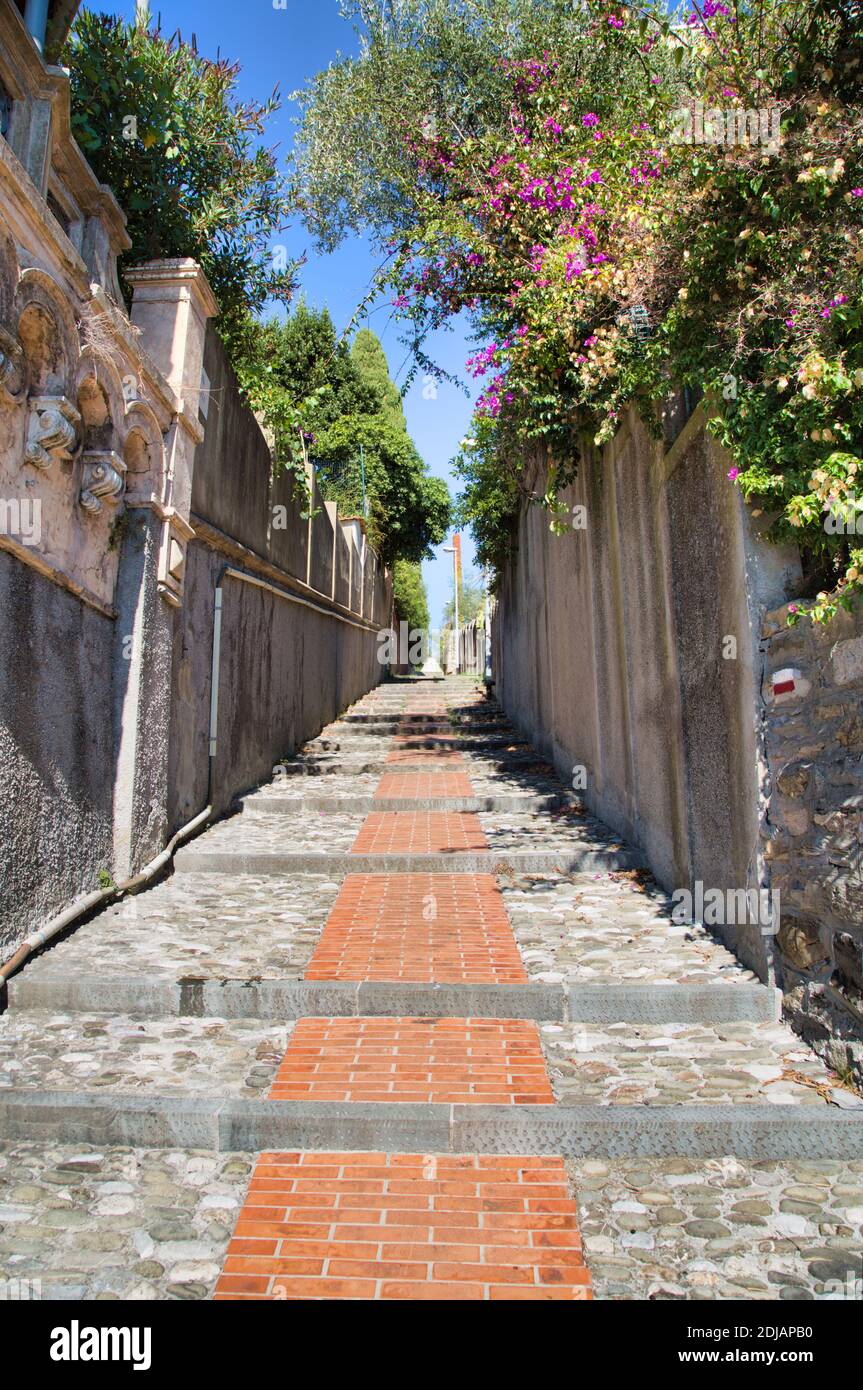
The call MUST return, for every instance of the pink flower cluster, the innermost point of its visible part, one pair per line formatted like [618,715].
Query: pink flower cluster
[834,304]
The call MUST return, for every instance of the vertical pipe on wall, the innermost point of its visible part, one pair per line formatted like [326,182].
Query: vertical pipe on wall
[214,681]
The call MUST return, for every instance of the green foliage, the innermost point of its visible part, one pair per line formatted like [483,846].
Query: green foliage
[409,511]
[369,358]
[425,65]
[491,496]
[409,593]
[522,163]
[307,356]
[164,128]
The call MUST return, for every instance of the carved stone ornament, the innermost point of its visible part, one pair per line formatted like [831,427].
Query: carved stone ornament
[104,479]
[13,370]
[52,431]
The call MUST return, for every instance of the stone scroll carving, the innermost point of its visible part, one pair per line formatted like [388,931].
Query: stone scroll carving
[13,371]
[52,431]
[104,479]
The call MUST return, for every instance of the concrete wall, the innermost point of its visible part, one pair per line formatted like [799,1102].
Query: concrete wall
[289,664]
[286,670]
[611,654]
[231,486]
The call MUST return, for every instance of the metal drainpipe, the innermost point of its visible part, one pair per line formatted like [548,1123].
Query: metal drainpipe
[36,19]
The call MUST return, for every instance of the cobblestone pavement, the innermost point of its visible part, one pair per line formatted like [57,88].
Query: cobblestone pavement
[296,789]
[678,1064]
[608,928]
[262,832]
[203,925]
[506,832]
[386,1221]
[198,1056]
[109,1223]
[671,1228]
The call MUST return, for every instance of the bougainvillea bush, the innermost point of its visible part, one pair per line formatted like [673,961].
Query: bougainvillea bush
[600,204]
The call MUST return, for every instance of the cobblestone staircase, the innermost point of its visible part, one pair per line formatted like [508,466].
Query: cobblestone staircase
[411,1024]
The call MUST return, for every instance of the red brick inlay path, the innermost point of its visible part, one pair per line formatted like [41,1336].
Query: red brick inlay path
[453,1060]
[444,928]
[419,832]
[442,758]
[406,1226]
[424,785]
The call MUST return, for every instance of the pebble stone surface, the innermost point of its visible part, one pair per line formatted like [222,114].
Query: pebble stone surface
[722,1229]
[610,928]
[680,1064]
[116,1223]
[143,1224]
[107,1052]
[263,832]
[213,925]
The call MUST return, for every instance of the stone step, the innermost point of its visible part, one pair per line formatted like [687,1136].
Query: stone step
[460,743]
[329,763]
[259,841]
[153,996]
[295,802]
[591,931]
[392,720]
[453,1058]
[573,860]
[752,1132]
[374,733]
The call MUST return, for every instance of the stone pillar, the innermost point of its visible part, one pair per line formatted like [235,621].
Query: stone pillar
[171,305]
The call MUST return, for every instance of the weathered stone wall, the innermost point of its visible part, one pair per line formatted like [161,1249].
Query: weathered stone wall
[82,417]
[56,747]
[612,653]
[813,827]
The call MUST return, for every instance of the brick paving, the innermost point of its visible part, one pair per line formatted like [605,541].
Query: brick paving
[438,758]
[399,1226]
[424,785]
[453,1060]
[406,1226]
[419,832]
[427,928]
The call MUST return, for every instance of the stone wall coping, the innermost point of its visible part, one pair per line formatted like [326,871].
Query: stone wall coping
[182,274]
[210,535]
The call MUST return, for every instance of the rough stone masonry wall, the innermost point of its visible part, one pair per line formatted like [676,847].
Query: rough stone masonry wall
[813,828]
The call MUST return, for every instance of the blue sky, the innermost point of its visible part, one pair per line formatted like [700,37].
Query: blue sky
[284,47]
